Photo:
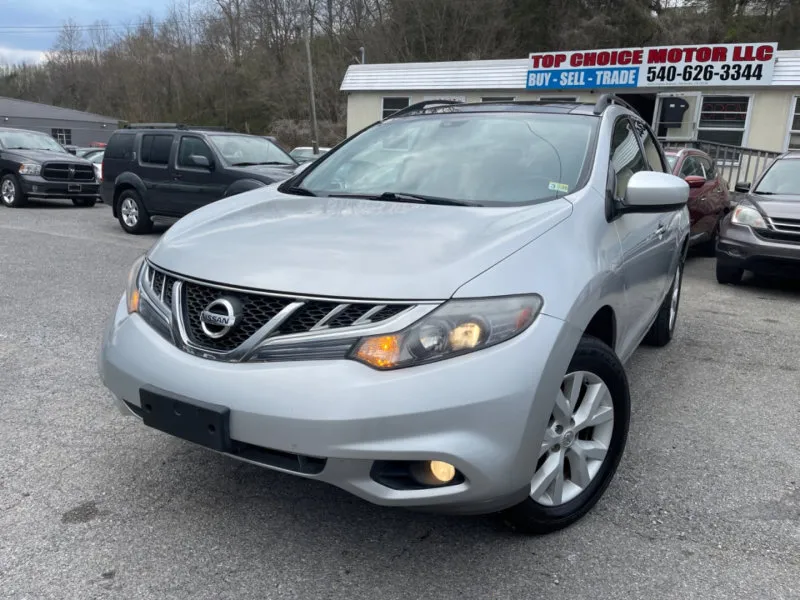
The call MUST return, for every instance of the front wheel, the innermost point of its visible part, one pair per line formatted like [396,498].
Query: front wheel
[727,274]
[11,191]
[583,442]
[663,328]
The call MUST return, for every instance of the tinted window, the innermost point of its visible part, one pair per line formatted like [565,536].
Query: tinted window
[691,166]
[783,177]
[192,146]
[708,167]
[120,146]
[626,156]
[651,150]
[486,158]
[155,149]
[392,105]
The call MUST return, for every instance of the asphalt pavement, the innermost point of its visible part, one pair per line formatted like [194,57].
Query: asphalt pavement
[706,502]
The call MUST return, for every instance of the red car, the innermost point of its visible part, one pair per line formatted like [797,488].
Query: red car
[709,197]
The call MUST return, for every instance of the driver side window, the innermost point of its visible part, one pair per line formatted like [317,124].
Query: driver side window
[691,167]
[626,156]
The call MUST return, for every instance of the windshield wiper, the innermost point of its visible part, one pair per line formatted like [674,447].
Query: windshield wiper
[410,198]
[298,191]
[758,193]
[254,164]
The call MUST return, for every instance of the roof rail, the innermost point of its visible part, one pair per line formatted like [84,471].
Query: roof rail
[420,106]
[173,126]
[607,100]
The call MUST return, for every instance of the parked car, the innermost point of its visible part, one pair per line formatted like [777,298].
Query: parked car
[34,165]
[303,154]
[96,158]
[88,153]
[709,197]
[442,327]
[170,171]
[762,234]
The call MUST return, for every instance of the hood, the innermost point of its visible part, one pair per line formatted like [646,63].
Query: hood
[778,206]
[41,156]
[270,172]
[346,247]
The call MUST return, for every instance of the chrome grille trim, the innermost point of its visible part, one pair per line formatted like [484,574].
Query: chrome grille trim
[167,294]
[790,226]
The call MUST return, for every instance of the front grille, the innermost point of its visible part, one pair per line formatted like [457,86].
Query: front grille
[258,309]
[67,172]
[778,236]
[787,226]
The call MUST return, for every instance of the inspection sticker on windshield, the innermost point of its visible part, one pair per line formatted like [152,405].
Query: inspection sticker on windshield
[558,187]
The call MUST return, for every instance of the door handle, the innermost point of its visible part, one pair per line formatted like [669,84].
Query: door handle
[660,231]
[177,177]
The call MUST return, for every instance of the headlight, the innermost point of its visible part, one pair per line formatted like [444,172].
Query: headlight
[457,327]
[748,215]
[30,169]
[132,289]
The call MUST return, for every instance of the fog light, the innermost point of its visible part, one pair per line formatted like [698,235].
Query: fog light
[433,472]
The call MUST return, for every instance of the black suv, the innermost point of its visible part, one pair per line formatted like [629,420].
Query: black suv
[34,165]
[171,170]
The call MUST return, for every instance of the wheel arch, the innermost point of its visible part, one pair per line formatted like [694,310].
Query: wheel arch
[603,326]
[128,181]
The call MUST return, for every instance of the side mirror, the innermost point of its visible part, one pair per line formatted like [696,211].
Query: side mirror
[742,187]
[651,191]
[695,181]
[200,161]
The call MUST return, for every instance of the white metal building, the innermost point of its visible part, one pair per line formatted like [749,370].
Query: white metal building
[760,112]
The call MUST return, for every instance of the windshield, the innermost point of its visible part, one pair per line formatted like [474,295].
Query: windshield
[671,159]
[247,150]
[782,178]
[483,158]
[29,140]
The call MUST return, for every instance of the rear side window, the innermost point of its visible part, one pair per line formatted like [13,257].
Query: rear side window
[155,149]
[120,147]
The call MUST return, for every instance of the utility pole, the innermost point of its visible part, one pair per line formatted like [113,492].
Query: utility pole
[314,132]
[363,55]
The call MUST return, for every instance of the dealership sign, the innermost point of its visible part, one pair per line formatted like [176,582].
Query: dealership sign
[717,65]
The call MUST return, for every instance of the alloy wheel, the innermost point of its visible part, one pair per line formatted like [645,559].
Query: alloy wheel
[576,439]
[130,212]
[8,192]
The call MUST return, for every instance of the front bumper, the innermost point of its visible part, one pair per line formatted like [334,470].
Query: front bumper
[34,186]
[739,246]
[485,413]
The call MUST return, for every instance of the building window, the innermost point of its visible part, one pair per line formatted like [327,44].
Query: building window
[498,99]
[794,126]
[392,104]
[62,136]
[723,119]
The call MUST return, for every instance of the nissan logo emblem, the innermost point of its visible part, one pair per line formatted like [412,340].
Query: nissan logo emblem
[219,317]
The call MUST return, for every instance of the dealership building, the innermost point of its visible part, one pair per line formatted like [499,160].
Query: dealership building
[731,95]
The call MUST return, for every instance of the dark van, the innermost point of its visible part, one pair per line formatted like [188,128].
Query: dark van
[170,170]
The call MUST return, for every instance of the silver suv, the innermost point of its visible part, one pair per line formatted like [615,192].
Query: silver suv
[435,314]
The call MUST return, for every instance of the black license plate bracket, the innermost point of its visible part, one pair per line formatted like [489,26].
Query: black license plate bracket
[74,187]
[196,421]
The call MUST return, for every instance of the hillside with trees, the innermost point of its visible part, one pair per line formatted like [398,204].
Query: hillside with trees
[242,63]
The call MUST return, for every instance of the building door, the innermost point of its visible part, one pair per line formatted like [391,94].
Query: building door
[677,115]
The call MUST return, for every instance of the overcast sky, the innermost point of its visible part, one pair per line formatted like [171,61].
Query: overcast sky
[29,27]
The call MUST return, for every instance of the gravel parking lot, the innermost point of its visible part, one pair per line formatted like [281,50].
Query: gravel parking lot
[706,503]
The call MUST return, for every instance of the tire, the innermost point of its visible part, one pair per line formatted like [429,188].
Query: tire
[11,192]
[540,514]
[133,216]
[85,202]
[709,247]
[663,328]
[727,274]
